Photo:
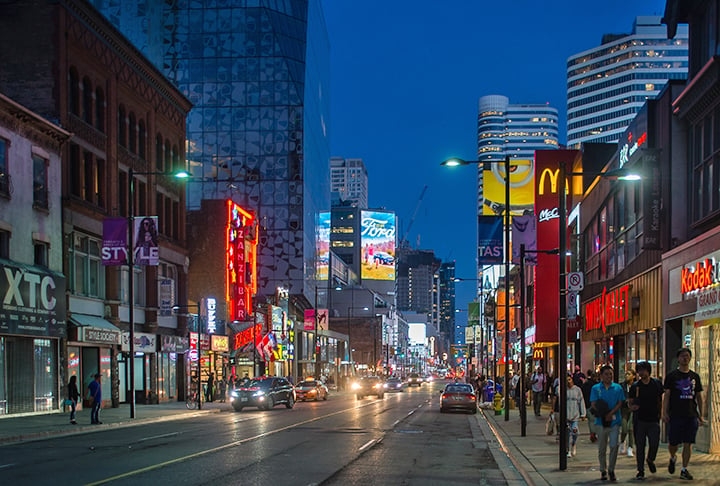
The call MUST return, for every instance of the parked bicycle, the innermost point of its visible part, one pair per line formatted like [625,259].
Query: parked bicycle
[193,399]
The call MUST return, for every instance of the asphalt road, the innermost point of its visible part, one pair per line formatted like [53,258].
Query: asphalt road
[402,439]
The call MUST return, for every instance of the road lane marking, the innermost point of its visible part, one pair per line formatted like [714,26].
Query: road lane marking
[158,436]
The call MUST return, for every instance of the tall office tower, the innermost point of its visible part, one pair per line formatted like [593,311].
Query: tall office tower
[607,85]
[416,280]
[446,279]
[258,78]
[349,179]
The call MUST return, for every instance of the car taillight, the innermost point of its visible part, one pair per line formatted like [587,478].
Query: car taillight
[445,396]
[470,396]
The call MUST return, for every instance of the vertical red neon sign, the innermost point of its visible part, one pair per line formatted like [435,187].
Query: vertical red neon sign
[240,255]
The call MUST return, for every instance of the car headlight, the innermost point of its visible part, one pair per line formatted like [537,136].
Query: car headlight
[259,394]
[234,394]
[355,386]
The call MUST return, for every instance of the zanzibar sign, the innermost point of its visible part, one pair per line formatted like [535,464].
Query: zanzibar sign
[610,308]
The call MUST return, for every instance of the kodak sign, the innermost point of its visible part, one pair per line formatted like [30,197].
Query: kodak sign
[704,274]
[608,309]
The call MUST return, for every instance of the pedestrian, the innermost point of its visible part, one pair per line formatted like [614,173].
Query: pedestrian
[515,388]
[94,396]
[538,381]
[210,385]
[645,399]
[73,395]
[682,410]
[606,398]
[590,382]
[627,436]
[222,389]
[575,404]
[578,377]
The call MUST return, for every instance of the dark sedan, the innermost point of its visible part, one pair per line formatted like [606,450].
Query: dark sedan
[394,384]
[458,396]
[264,393]
[311,390]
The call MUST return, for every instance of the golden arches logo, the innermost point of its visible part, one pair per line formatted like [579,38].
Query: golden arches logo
[538,354]
[553,181]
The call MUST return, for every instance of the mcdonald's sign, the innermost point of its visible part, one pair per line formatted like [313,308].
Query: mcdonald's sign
[538,354]
[553,175]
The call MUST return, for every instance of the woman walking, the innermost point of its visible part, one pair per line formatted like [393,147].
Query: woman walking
[73,396]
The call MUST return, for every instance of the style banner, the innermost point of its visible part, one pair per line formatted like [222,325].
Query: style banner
[146,247]
[490,240]
[114,244]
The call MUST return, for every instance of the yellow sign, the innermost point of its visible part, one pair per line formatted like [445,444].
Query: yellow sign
[553,181]
[522,187]
[219,343]
[538,353]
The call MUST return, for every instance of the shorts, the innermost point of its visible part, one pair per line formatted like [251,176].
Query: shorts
[682,430]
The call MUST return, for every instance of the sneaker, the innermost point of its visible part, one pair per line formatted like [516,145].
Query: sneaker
[72,422]
[640,476]
[651,466]
[630,452]
[603,475]
[569,454]
[623,448]
[612,476]
[671,465]
[574,450]
[593,437]
[685,474]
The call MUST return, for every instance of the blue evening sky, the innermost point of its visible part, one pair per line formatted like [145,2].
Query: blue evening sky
[406,76]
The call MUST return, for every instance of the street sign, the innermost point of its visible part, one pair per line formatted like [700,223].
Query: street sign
[575,281]
[571,305]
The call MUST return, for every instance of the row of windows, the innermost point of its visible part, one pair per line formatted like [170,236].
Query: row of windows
[610,105]
[704,158]
[657,67]
[597,120]
[629,55]
[40,166]
[41,250]
[618,91]
[88,104]
[630,76]
[628,44]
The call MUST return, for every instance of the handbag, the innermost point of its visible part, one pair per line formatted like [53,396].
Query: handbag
[67,402]
[550,425]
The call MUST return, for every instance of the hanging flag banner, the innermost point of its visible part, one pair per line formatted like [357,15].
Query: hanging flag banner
[490,240]
[524,231]
[146,247]
[114,244]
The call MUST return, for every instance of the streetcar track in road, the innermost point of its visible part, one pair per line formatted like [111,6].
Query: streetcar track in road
[223,447]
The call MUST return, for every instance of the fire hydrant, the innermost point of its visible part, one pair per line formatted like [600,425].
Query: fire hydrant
[497,403]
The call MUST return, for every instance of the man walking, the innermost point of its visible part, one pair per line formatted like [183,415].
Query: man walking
[95,395]
[645,401]
[606,398]
[538,382]
[682,406]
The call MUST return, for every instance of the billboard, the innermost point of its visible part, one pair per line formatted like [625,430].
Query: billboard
[522,186]
[490,240]
[241,261]
[322,245]
[377,239]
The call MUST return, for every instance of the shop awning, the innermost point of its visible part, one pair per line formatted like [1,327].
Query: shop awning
[95,329]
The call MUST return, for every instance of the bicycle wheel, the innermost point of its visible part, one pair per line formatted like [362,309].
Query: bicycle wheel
[191,402]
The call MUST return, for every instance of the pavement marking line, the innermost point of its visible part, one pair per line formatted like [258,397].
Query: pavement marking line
[158,436]
[215,449]
[504,448]
[5,466]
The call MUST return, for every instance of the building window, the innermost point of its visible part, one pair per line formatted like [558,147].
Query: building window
[122,127]
[40,182]
[100,110]
[4,176]
[86,265]
[41,251]
[74,91]
[5,244]
[87,104]
[132,133]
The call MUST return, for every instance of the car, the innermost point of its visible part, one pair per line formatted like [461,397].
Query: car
[383,258]
[458,396]
[414,379]
[394,384]
[369,385]
[264,393]
[311,389]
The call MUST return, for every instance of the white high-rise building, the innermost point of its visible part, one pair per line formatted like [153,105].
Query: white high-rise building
[607,85]
[349,179]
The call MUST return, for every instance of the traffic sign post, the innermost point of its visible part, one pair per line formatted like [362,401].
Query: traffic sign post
[575,281]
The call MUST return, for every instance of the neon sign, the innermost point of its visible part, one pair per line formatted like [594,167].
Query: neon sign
[240,255]
[629,150]
[608,309]
[704,274]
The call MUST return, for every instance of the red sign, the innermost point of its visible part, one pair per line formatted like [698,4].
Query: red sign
[247,336]
[241,250]
[610,308]
[703,275]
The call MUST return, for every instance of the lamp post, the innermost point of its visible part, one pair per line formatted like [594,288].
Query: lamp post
[455,162]
[131,272]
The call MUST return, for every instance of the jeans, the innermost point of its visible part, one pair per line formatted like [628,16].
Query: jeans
[572,429]
[592,427]
[95,411]
[73,408]
[626,429]
[651,432]
[537,401]
[608,435]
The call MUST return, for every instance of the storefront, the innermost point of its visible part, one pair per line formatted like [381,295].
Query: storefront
[92,345]
[623,325]
[32,322]
[170,368]
[145,355]
[692,316]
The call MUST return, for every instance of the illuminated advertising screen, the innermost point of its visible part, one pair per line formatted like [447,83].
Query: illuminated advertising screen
[241,262]
[377,239]
[522,187]
[322,245]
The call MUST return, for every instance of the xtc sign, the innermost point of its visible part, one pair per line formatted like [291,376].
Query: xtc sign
[33,301]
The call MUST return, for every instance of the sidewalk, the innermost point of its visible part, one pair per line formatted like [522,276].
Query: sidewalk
[35,427]
[537,458]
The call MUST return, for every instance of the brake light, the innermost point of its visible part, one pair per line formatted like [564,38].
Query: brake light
[445,396]
[471,396]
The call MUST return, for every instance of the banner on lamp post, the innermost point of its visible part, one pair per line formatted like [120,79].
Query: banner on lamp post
[490,240]
[147,251]
[524,232]
[114,243]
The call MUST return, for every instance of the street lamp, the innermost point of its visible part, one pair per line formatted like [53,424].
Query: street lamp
[131,271]
[454,162]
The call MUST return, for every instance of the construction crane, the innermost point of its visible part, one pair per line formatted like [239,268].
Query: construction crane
[403,240]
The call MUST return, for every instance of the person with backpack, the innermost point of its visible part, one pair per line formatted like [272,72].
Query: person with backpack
[645,402]
[538,382]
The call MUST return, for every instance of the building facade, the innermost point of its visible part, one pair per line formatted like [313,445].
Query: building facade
[608,84]
[125,117]
[349,179]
